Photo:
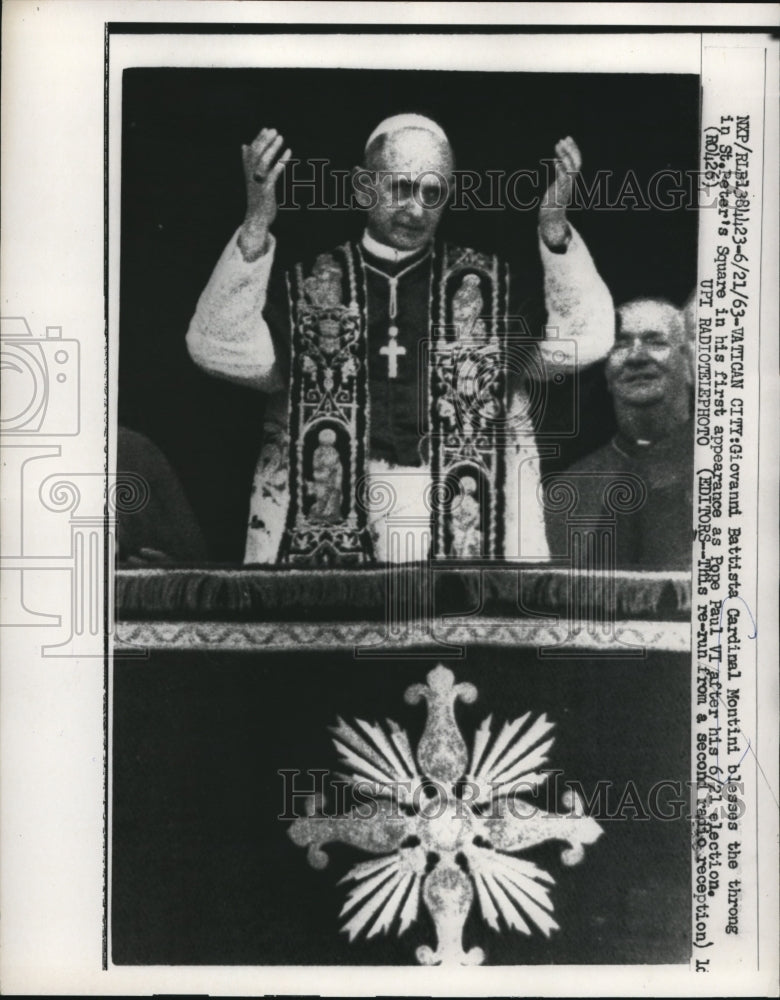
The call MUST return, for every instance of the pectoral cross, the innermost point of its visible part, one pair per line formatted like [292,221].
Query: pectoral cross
[393,351]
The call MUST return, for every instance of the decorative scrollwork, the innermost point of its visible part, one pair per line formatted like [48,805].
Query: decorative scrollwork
[442,494]
[128,493]
[375,496]
[624,494]
[59,494]
[557,495]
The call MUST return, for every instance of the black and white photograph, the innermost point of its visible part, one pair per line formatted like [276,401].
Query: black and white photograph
[415,562]
[407,355]
[528,211]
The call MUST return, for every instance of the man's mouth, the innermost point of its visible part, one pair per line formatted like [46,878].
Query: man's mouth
[640,376]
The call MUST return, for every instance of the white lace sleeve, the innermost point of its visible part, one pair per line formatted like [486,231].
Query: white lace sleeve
[228,335]
[580,311]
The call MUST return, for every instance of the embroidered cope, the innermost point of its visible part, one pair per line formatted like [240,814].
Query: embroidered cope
[399,424]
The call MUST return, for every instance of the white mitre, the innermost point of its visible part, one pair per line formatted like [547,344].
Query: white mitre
[397,122]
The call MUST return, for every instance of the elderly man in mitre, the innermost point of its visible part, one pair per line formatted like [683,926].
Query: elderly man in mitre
[640,483]
[397,422]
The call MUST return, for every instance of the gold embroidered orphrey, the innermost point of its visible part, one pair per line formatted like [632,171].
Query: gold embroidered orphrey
[326,524]
[424,816]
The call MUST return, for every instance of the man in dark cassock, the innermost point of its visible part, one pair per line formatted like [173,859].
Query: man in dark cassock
[163,529]
[642,480]
[403,352]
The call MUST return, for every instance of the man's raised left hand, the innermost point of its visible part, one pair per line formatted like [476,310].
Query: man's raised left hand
[553,227]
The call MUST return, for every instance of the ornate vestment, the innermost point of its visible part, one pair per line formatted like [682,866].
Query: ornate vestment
[319,491]
[359,466]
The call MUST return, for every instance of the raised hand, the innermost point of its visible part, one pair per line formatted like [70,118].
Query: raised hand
[552,211]
[262,167]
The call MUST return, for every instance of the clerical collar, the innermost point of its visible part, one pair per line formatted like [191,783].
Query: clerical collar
[632,447]
[629,447]
[384,252]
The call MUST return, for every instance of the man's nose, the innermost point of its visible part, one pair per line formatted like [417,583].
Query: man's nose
[412,205]
[637,349]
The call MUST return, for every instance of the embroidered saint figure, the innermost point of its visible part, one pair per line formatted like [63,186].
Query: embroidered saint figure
[324,292]
[466,518]
[467,306]
[323,286]
[326,484]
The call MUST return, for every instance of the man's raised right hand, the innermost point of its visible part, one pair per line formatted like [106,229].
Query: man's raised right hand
[262,167]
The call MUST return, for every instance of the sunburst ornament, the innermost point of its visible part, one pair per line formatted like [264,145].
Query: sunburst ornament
[446,824]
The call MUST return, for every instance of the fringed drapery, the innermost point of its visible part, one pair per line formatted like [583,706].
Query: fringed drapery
[365,594]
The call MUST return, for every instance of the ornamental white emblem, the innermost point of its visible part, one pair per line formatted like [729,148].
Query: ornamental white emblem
[446,824]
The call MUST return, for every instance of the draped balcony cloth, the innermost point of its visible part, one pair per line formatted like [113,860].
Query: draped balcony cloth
[283,594]
[402,471]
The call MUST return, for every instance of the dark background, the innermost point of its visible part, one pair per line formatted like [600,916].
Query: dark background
[183,197]
[203,871]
